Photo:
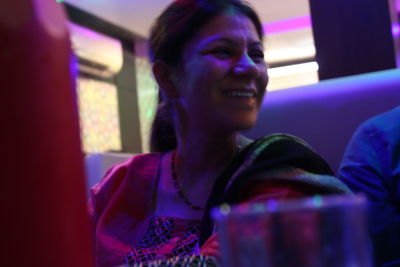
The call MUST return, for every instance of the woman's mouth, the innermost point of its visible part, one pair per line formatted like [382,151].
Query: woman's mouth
[240,93]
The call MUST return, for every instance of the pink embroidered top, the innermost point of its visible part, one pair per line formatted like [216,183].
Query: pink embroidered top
[121,207]
[166,237]
[126,228]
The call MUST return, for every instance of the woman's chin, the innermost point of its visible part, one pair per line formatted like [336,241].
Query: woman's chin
[247,122]
[244,125]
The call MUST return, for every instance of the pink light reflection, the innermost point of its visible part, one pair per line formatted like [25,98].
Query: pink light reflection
[396,30]
[86,32]
[286,25]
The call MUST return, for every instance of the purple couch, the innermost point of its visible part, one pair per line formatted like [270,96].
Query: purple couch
[326,114]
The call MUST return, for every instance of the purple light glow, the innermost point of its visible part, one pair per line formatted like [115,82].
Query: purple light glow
[396,30]
[86,32]
[286,25]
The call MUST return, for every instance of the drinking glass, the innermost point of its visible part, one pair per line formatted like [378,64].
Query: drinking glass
[320,231]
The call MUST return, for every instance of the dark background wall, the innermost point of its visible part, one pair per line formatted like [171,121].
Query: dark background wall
[353,36]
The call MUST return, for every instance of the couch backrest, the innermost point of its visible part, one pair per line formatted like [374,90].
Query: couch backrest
[326,114]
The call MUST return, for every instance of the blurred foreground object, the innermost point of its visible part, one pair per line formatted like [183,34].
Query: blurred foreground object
[316,231]
[44,218]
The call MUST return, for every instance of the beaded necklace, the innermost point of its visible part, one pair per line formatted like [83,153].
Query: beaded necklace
[178,188]
[242,142]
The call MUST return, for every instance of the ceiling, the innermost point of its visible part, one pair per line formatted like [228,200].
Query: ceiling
[137,16]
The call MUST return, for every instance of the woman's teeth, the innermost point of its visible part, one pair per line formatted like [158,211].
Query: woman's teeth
[240,93]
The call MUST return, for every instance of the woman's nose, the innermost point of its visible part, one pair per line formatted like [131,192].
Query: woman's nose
[246,66]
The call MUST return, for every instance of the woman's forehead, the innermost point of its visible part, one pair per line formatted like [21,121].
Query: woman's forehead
[228,25]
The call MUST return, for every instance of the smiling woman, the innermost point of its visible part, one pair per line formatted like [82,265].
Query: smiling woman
[221,79]
[208,61]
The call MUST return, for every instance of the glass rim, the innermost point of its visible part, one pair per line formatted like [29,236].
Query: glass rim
[273,206]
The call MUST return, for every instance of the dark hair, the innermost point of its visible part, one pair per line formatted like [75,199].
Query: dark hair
[172,30]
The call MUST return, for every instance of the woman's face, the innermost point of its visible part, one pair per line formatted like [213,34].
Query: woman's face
[222,76]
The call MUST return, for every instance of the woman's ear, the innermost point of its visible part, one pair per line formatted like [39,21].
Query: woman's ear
[163,73]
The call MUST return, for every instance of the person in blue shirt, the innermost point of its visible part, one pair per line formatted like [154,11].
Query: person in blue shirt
[371,165]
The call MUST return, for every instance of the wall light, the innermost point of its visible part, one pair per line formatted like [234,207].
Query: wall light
[293,69]
[286,25]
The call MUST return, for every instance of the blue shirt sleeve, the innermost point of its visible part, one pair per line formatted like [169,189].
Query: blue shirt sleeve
[371,166]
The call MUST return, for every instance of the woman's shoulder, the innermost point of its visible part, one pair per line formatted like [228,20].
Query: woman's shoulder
[137,163]
[139,168]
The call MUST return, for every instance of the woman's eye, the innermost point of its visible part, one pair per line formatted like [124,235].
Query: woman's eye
[222,53]
[257,55]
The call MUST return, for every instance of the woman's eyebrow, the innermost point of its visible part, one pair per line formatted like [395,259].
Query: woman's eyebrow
[257,44]
[213,40]
[228,40]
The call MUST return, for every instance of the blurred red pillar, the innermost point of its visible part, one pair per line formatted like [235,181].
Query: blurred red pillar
[43,208]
